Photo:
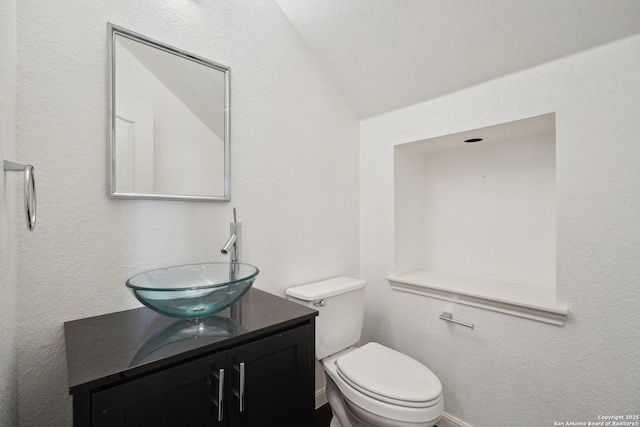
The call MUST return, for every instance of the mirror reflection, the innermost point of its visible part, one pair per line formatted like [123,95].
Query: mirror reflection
[181,336]
[169,122]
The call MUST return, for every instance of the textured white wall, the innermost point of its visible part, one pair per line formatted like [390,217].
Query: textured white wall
[512,371]
[294,170]
[10,217]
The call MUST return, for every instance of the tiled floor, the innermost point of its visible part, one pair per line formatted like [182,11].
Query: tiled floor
[323,416]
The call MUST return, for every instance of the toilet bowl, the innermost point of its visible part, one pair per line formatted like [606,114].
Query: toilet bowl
[378,386]
[369,386]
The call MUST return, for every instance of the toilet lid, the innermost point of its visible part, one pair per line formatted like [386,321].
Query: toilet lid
[381,371]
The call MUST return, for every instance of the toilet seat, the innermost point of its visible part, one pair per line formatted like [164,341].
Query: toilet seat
[390,376]
[378,404]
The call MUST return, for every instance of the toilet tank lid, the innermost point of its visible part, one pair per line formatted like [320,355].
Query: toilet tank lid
[325,288]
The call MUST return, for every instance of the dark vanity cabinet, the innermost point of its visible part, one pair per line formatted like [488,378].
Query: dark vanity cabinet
[264,380]
[182,395]
[261,375]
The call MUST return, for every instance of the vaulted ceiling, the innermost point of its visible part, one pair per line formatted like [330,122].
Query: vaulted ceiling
[389,54]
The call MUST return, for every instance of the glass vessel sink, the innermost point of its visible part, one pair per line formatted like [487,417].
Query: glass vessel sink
[193,291]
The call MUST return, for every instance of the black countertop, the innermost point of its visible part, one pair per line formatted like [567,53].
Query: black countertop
[112,347]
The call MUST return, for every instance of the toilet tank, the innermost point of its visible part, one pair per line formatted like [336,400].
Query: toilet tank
[340,303]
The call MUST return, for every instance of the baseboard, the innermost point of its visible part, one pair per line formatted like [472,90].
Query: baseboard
[448,420]
[321,397]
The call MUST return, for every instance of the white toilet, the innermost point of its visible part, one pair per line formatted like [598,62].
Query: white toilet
[369,386]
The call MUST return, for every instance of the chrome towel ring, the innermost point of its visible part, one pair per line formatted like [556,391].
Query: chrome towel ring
[29,190]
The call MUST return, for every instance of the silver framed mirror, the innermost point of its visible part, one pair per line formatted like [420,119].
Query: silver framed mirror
[168,122]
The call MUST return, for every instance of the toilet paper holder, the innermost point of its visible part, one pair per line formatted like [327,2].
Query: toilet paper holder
[449,318]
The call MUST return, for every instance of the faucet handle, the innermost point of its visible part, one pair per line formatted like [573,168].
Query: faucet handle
[234,215]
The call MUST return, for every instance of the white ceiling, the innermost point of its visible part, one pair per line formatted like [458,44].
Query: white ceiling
[388,54]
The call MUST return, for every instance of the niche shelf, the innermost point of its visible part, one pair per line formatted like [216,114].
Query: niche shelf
[475,223]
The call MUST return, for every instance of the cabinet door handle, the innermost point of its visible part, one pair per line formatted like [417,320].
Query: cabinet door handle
[241,386]
[221,395]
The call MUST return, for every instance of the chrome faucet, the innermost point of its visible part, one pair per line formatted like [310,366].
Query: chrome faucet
[234,243]
[233,247]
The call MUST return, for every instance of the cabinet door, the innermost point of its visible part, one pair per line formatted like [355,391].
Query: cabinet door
[271,381]
[185,395]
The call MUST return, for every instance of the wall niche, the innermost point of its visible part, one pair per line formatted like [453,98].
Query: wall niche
[475,222]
